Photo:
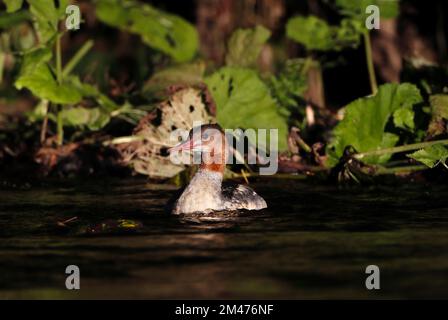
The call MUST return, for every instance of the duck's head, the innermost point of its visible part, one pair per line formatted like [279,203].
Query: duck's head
[210,141]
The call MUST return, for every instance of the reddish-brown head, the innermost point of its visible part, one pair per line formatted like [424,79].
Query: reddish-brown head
[210,140]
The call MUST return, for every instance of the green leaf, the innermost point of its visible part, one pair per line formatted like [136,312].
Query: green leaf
[316,34]
[312,32]
[166,32]
[245,45]
[244,101]
[289,86]
[431,156]
[357,9]
[364,123]
[89,91]
[8,20]
[43,85]
[93,118]
[47,14]
[13,5]
[404,119]
[34,59]
[36,76]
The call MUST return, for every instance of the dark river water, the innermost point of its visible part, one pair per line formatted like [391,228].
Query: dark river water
[313,241]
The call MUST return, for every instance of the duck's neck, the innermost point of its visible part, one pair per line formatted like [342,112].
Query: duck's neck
[213,162]
[206,183]
[213,167]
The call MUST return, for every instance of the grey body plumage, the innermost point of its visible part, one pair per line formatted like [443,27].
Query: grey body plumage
[207,193]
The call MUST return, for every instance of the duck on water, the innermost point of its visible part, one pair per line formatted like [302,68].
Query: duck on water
[207,192]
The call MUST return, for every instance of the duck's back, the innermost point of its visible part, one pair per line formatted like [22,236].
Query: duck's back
[238,196]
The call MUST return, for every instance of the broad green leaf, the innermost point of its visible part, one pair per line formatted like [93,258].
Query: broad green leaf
[47,14]
[244,101]
[166,32]
[75,116]
[364,123]
[431,156]
[93,118]
[316,34]
[245,45]
[49,10]
[36,76]
[357,8]
[43,85]
[34,59]
[312,32]
[13,5]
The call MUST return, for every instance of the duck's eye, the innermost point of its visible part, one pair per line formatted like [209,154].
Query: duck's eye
[205,136]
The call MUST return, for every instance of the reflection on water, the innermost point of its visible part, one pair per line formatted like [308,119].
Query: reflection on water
[312,242]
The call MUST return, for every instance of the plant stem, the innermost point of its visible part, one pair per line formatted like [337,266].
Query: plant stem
[60,128]
[2,61]
[119,140]
[60,124]
[369,60]
[58,59]
[43,131]
[76,58]
[408,147]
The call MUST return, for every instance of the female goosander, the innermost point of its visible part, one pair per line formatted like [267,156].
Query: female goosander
[206,192]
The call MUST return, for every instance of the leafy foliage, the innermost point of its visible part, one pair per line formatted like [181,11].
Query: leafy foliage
[93,118]
[13,5]
[245,45]
[8,20]
[357,9]
[404,118]
[364,123]
[168,33]
[290,84]
[46,15]
[431,156]
[244,101]
[37,76]
[316,34]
